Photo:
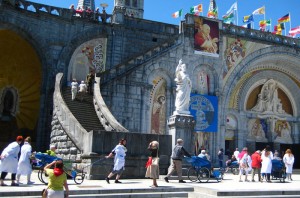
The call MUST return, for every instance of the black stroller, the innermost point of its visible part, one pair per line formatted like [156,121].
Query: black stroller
[278,170]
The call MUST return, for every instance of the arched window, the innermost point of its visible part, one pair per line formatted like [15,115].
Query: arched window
[8,103]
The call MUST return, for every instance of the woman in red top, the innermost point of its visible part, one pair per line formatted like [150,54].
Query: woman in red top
[256,165]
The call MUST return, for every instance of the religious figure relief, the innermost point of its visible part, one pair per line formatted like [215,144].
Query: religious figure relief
[257,130]
[234,53]
[268,101]
[183,90]
[282,132]
[158,115]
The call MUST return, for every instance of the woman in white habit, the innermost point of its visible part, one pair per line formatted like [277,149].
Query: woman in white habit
[24,166]
[9,161]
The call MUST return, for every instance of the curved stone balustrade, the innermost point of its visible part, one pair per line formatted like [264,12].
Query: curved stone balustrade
[79,136]
[106,118]
[260,35]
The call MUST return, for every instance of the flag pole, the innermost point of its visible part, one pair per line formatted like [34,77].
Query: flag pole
[290,21]
[237,14]
[264,13]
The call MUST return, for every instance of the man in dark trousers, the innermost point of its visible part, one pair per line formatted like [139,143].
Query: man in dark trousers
[176,164]
[90,79]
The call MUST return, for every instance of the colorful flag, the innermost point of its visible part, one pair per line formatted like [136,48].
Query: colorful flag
[248,19]
[196,9]
[212,10]
[259,11]
[177,14]
[228,17]
[248,25]
[294,31]
[278,29]
[232,8]
[285,18]
[264,23]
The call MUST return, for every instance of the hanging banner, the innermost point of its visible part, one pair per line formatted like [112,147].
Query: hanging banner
[206,37]
[204,108]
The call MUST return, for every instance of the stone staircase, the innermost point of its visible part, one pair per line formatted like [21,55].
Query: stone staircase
[84,111]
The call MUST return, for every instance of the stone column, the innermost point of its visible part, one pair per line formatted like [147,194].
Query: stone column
[182,126]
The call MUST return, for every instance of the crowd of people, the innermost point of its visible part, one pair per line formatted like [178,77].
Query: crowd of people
[92,15]
[260,163]
[15,159]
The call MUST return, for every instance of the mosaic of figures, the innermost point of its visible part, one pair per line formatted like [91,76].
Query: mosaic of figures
[89,56]
[158,115]
[235,51]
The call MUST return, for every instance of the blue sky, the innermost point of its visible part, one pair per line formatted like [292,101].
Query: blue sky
[161,10]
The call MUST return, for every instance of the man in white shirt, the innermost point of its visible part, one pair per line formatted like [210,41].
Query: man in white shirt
[236,153]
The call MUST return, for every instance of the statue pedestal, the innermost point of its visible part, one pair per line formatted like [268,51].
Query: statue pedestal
[182,126]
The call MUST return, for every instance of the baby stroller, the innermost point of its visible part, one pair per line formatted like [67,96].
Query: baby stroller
[278,170]
[201,170]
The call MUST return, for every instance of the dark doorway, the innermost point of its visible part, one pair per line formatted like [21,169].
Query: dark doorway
[262,145]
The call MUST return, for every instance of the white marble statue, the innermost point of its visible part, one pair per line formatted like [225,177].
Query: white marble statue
[268,100]
[183,90]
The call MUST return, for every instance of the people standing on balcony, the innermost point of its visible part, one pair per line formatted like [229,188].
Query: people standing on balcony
[9,161]
[24,165]
[74,89]
[176,163]
[119,162]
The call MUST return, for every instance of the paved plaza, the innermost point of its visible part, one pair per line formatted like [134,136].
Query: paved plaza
[229,187]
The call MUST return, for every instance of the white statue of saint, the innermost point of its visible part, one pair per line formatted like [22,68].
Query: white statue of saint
[183,90]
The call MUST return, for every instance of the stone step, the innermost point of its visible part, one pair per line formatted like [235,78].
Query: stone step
[203,195]
[148,192]
[84,111]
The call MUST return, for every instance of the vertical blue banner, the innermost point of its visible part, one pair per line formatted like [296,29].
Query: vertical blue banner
[204,108]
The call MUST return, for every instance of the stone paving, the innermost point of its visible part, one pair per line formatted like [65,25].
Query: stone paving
[230,184]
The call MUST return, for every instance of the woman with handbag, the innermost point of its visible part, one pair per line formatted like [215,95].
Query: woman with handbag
[153,163]
[57,180]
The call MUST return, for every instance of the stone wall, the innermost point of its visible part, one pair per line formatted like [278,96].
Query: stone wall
[136,156]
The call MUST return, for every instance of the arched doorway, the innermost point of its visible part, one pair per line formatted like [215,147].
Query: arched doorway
[20,85]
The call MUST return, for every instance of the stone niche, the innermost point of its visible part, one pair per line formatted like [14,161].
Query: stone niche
[136,156]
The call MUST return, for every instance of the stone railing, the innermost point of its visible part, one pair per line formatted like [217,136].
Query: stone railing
[131,64]
[106,118]
[79,136]
[62,12]
[260,35]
